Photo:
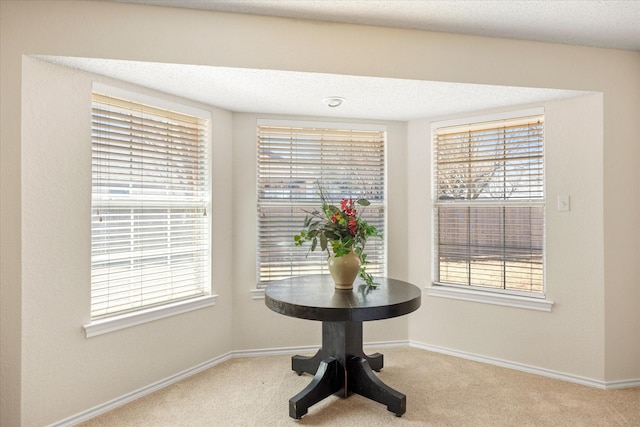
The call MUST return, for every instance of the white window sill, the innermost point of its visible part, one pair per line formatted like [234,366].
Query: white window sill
[257,293]
[115,323]
[540,304]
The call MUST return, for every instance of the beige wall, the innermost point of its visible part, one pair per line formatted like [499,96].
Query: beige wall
[57,360]
[570,339]
[48,368]
[257,327]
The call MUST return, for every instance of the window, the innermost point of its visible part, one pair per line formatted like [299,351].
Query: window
[347,160]
[489,205]
[150,229]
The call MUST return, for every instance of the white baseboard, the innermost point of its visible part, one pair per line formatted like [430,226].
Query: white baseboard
[611,385]
[311,349]
[136,394]
[604,385]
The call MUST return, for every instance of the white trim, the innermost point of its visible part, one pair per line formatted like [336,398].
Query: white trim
[494,117]
[322,125]
[312,349]
[386,344]
[257,293]
[275,351]
[618,384]
[136,394]
[130,397]
[540,304]
[126,320]
[576,379]
[470,121]
[150,100]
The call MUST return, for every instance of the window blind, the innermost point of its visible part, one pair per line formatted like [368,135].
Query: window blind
[149,227]
[489,204]
[292,163]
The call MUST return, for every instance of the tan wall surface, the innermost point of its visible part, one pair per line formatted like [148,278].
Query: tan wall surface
[48,368]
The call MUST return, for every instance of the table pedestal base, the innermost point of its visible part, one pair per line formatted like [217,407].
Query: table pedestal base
[340,367]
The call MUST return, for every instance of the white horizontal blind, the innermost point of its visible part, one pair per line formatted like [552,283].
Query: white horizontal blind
[149,227]
[489,205]
[292,161]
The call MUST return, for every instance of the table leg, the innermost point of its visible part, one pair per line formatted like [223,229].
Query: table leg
[363,381]
[342,368]
[325,382]
[376,361]
[310,365]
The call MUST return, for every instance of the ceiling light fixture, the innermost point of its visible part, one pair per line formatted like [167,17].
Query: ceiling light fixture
[333,101]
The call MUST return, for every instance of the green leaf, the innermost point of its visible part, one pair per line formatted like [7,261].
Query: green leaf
[323,241]
[332,235]
[363,202]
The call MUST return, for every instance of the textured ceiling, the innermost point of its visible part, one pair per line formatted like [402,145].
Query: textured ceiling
[597,23]
[609,23]
[297,93]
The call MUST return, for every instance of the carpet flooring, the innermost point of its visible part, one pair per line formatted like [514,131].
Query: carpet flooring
[441,390]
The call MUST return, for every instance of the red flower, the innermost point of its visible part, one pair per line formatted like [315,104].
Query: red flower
[347,207]
[352,227]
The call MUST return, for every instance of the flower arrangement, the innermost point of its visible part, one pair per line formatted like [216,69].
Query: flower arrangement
[341,230]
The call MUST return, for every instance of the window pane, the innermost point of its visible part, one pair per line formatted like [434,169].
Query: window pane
[150,231]
[498,247]
[489,187]
[496,163]
[292,163]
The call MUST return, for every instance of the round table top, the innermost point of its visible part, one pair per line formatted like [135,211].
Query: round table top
[314,297]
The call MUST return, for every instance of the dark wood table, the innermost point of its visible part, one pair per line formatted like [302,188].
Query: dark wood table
[340,366]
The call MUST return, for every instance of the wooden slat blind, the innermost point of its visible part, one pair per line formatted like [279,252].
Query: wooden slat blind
[292,161]
[149,226]
[489,205]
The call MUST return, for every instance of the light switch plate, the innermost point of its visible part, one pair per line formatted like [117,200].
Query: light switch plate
[563,203]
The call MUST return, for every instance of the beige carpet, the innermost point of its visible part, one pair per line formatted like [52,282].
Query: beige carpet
[441,391]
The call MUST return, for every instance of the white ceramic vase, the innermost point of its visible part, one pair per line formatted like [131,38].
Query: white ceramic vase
[344,269]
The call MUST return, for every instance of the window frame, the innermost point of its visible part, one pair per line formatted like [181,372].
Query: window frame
[118,320]
[498,296]
[258,293]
